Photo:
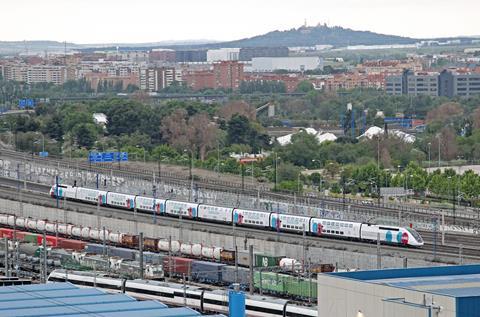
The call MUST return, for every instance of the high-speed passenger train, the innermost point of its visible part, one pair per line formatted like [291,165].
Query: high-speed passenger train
[199,298]
[331,228]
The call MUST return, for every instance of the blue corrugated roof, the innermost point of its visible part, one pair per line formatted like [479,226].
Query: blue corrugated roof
[413,272]
[455,281]
[37,287]
[65,299]
[26,295]
[170,312]
[131,307]
[458,292]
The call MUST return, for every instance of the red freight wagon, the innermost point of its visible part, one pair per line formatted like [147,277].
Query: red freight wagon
[6,233]
[177,265]
[52,241]
[71,244]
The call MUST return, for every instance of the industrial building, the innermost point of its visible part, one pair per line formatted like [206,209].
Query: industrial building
[247,53]
[443,291]
[65,299]
[299,64]
[223,54]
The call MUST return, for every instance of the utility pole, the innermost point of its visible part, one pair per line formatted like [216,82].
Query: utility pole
[250,263]
[44,245]
[104,251]
[379,255]
[6,264]
[140,248]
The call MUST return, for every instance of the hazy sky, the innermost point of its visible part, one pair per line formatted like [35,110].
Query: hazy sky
[108,21]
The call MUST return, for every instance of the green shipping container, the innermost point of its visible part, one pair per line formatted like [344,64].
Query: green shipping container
[264,260]
[300,287]
[31,237]
[270,282]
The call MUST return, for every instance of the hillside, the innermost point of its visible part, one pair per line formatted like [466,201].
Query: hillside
[15,47]
[322,34]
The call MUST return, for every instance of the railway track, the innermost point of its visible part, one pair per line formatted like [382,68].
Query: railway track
[352,206]
[41,198]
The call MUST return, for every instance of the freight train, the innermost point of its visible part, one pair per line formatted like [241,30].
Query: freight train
[201,265]
[199,298]
[330,228]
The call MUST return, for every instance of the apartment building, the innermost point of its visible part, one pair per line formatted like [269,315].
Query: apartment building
[155,79]
[31,74]
[228,74]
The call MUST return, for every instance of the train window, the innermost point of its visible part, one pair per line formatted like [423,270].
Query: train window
[351,225]
[336,232]
[341,232]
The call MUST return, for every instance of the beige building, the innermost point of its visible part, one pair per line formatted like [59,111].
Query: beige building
[446,291]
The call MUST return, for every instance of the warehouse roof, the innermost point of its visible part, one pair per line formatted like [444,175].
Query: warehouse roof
[454,281]
[65,299]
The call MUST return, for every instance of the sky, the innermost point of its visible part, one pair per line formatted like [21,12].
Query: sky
[140,21]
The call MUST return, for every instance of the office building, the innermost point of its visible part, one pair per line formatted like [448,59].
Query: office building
[462,83]
[413,83]
[394,85]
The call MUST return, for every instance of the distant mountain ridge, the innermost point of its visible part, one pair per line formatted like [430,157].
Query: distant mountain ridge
[320,35]
[303,36]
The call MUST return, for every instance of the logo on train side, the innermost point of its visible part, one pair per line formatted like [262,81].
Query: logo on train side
[388,236]
[237,217]
[317,227]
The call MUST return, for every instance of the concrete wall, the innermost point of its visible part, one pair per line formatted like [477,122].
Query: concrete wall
[342,297]
[344,259]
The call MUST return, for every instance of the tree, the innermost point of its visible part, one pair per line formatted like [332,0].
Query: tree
[174,129]
[202,133]
[238,130]
[302,150]
[444,113]
[196,134]
[332,168]
[54,127]
[238,107]
[304,86]
[85,135]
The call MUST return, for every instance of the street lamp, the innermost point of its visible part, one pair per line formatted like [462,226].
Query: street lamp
[276,171]
[438,137]
[190,175]
[453,198]
[429,154]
